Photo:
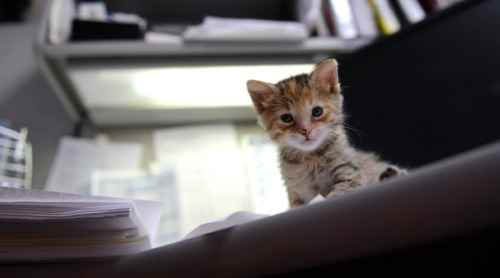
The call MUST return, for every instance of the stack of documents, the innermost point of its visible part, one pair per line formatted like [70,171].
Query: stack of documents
[235,29]
[41,226]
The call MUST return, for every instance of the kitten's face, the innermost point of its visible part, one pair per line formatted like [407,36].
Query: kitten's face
[301,111]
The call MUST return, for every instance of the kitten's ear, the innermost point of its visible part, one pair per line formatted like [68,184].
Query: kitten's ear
[326,75]
[261,94]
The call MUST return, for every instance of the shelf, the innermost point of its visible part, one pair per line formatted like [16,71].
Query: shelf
[140,48]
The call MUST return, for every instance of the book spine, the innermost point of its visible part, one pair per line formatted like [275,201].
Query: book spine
[429,6]
[411,10]
[328,15]
[322,28]
[365,18]
[386,18]
[344,19]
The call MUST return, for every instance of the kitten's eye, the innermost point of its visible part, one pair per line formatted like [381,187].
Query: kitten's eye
[286,118]
[317,111]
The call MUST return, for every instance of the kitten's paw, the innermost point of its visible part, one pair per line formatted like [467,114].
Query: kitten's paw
[342,187]
[296,203]
[390,172]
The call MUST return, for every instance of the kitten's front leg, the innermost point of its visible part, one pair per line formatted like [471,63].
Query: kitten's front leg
[349,178]
[294,198]
[345,177]
[343,187]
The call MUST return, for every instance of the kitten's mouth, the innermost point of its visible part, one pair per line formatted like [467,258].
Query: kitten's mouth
[308,141]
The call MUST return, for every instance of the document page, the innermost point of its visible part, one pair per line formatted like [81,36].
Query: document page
[209,171]
[267,189]
[76,158]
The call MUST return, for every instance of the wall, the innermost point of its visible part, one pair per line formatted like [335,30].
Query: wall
[26,99]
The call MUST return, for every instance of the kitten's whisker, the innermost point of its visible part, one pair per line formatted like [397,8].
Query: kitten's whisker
[353,129]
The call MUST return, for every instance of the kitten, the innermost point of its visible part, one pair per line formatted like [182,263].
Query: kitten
[303,114]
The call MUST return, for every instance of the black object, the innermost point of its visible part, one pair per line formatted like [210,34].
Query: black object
[430,91]
[101,30]
[13,10]
[192,12]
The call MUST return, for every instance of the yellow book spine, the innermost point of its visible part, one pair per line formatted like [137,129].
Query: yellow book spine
[386,20]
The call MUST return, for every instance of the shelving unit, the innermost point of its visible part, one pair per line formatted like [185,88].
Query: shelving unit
[60,61]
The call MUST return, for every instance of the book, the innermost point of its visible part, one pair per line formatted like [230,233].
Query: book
[308,13]
[408,11]
[365,18]
[322,28]
[443,4]
[327,15]
[343,17]
[431,6]
[412,10]
[386,18]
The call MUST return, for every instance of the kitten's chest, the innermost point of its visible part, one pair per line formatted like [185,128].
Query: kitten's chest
[309,177]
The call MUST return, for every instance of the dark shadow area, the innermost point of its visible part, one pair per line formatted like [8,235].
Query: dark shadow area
[430,92]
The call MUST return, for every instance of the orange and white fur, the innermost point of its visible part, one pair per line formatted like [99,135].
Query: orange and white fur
[303,115]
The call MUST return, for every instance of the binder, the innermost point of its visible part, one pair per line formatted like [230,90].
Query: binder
[386,17]
[343,18]
[365,18]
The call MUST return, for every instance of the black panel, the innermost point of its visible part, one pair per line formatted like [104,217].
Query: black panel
[473,255]
[193,11]
[430,91]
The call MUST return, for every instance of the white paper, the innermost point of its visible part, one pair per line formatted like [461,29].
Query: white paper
[318,198]
[209,170]
[216,29]
[92,11]
[76,158]
[144,185]
[267,189]
[61,14]
[234,219]
[158,37]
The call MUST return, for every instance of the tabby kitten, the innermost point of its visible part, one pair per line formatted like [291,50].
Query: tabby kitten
[303,114]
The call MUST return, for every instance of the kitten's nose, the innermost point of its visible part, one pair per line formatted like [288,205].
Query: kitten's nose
[306,132]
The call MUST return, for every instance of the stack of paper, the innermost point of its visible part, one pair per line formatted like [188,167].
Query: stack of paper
[235,29]
[144,185]
[41,226]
